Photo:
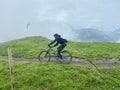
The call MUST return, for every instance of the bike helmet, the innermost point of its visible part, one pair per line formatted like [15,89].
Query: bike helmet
[56,35]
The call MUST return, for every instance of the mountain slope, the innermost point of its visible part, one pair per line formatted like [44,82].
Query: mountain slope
[92,35]
[115,35]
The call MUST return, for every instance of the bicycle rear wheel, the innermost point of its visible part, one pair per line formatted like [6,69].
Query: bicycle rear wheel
[44,56]
[67,57]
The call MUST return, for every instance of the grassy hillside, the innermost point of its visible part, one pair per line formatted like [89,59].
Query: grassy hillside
[48,76]
[27,47]
[51,76]
[30,47]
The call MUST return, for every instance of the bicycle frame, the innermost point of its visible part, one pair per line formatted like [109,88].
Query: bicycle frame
[52,52]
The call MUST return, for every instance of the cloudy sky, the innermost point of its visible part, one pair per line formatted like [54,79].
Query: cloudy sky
[23,18]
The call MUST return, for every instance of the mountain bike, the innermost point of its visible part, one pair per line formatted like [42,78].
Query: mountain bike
[51,55]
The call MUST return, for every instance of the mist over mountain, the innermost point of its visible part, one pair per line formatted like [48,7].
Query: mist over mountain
[115,35]
[94,35]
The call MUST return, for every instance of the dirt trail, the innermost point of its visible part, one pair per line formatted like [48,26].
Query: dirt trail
[104,63]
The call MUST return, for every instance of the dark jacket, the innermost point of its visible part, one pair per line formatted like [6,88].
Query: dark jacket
[58,40]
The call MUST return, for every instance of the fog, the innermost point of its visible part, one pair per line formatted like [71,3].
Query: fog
[23,18]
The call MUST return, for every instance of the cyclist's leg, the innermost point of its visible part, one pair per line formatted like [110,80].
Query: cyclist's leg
[60,48]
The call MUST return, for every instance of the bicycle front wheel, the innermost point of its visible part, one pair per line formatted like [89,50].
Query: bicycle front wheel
[44,56]
[67,57]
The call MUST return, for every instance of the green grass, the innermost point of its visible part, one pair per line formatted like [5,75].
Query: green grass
[27,47]
[95,51]
[30,47]
[50,76]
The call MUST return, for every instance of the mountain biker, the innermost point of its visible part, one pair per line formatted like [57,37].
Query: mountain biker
[58,40]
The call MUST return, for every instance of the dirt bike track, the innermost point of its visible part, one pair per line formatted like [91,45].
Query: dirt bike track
[104,63]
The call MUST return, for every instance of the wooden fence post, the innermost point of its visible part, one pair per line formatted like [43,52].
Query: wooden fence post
[11,68]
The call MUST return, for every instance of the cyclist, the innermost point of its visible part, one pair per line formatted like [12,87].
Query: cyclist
[58,40]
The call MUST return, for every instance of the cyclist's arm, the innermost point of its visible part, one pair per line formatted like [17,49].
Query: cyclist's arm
[56,44]
[52,42]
